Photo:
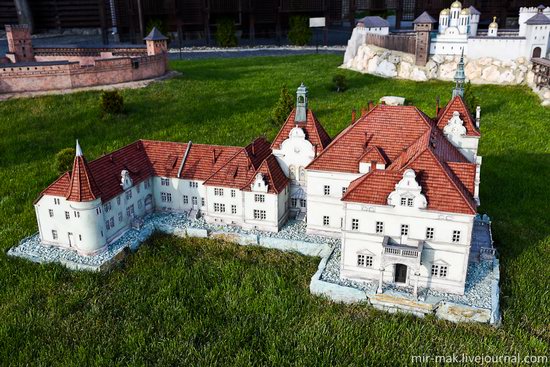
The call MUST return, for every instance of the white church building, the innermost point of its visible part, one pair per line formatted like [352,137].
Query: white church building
[458,31]
[398,187]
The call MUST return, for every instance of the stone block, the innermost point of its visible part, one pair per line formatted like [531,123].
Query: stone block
[197,232]
[460,313]
[393,100]
[386,69]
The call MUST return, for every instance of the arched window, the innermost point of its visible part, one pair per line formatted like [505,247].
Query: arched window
[292,172]
[302,174]
[537,52]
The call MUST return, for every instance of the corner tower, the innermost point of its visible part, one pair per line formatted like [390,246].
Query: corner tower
[19,43]
[423,25]
[301,104]
[157,43]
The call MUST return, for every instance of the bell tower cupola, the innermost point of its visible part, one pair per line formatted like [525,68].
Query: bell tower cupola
[301,104]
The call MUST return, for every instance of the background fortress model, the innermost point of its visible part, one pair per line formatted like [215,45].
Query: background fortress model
[30,69]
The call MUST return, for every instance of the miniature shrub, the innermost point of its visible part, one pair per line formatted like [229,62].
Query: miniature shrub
[340,82]
[469,97]
[225,34]
[111,102]
[299,33]
[64,160]
[283,107]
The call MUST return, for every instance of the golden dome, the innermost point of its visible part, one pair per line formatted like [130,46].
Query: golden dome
[465,11]
[445,12]
[456,4]
[494,24]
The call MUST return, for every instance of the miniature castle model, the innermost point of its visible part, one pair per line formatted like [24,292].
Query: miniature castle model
[398,187]
[458,32]
[29,69]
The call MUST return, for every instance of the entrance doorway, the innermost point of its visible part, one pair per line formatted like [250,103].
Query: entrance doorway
[400,273]
[71,239]
[537,52]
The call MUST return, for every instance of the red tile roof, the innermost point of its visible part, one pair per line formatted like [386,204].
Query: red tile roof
[313,129]
[390,128]
[82,186]
[406,138]
[241,169]
[274,176]
[457,104]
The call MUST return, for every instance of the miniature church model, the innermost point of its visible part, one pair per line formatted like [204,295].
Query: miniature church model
[398,187]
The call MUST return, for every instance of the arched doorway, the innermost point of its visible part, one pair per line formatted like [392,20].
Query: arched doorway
[537,52]
[400,273]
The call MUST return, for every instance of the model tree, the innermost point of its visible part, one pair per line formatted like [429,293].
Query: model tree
[299,33]
[64,160]
[283,107]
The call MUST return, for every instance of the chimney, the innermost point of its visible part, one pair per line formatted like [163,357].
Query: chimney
[478,116]
[253,149]
[213,156]
[353,116]
[315,148]
[373,166]
[371,105]
[437,108]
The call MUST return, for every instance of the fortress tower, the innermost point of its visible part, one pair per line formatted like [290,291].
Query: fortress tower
[157,43]
[423,25]
[19,43]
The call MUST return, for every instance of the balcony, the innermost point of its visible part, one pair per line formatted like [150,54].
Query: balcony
[404,251]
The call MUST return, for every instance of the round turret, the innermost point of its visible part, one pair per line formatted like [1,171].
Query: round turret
[456,5]
[493,28]
[445,11]
[465,11]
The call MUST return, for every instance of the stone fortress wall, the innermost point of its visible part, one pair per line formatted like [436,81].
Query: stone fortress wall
[484,70]
[27,69]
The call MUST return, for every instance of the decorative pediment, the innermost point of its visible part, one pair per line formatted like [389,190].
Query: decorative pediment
[408,193]
[125,180]
[455,126]
[259,183]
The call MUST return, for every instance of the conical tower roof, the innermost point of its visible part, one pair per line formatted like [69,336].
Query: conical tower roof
[82,186]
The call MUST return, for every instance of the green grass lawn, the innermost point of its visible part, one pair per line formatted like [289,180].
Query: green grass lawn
[203,302]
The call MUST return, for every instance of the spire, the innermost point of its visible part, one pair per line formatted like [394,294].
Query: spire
[301,104]
[460,78]
[82,186]
[78,149]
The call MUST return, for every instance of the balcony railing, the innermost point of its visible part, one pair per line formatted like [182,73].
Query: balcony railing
[409,251]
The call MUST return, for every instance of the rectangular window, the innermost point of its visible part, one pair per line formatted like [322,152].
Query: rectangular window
[107,225]
[130,210]
[233,209]
[140,204]
[56,201]
[303,203]
[429,233]
[107,207]
[410,202]
[456,236]
[76,214]
[166,197]
[120,217]
[194,200]
[259,214]
[193,185]
[326,190]
[344,189]
[51,212]
[435,270]
[259,198]
[218,192]
[404,230]
[146,184]
[220,208]
[379,227]
[403,201]
[326,220]
[202,202]
[67,215]
[164,182]
[233,193]
[185,199]
[80,237]
[294,202]
[54,234]
[355,224]
[129,194]
[439,271]
[364,261]
[112,222]
[138,188]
